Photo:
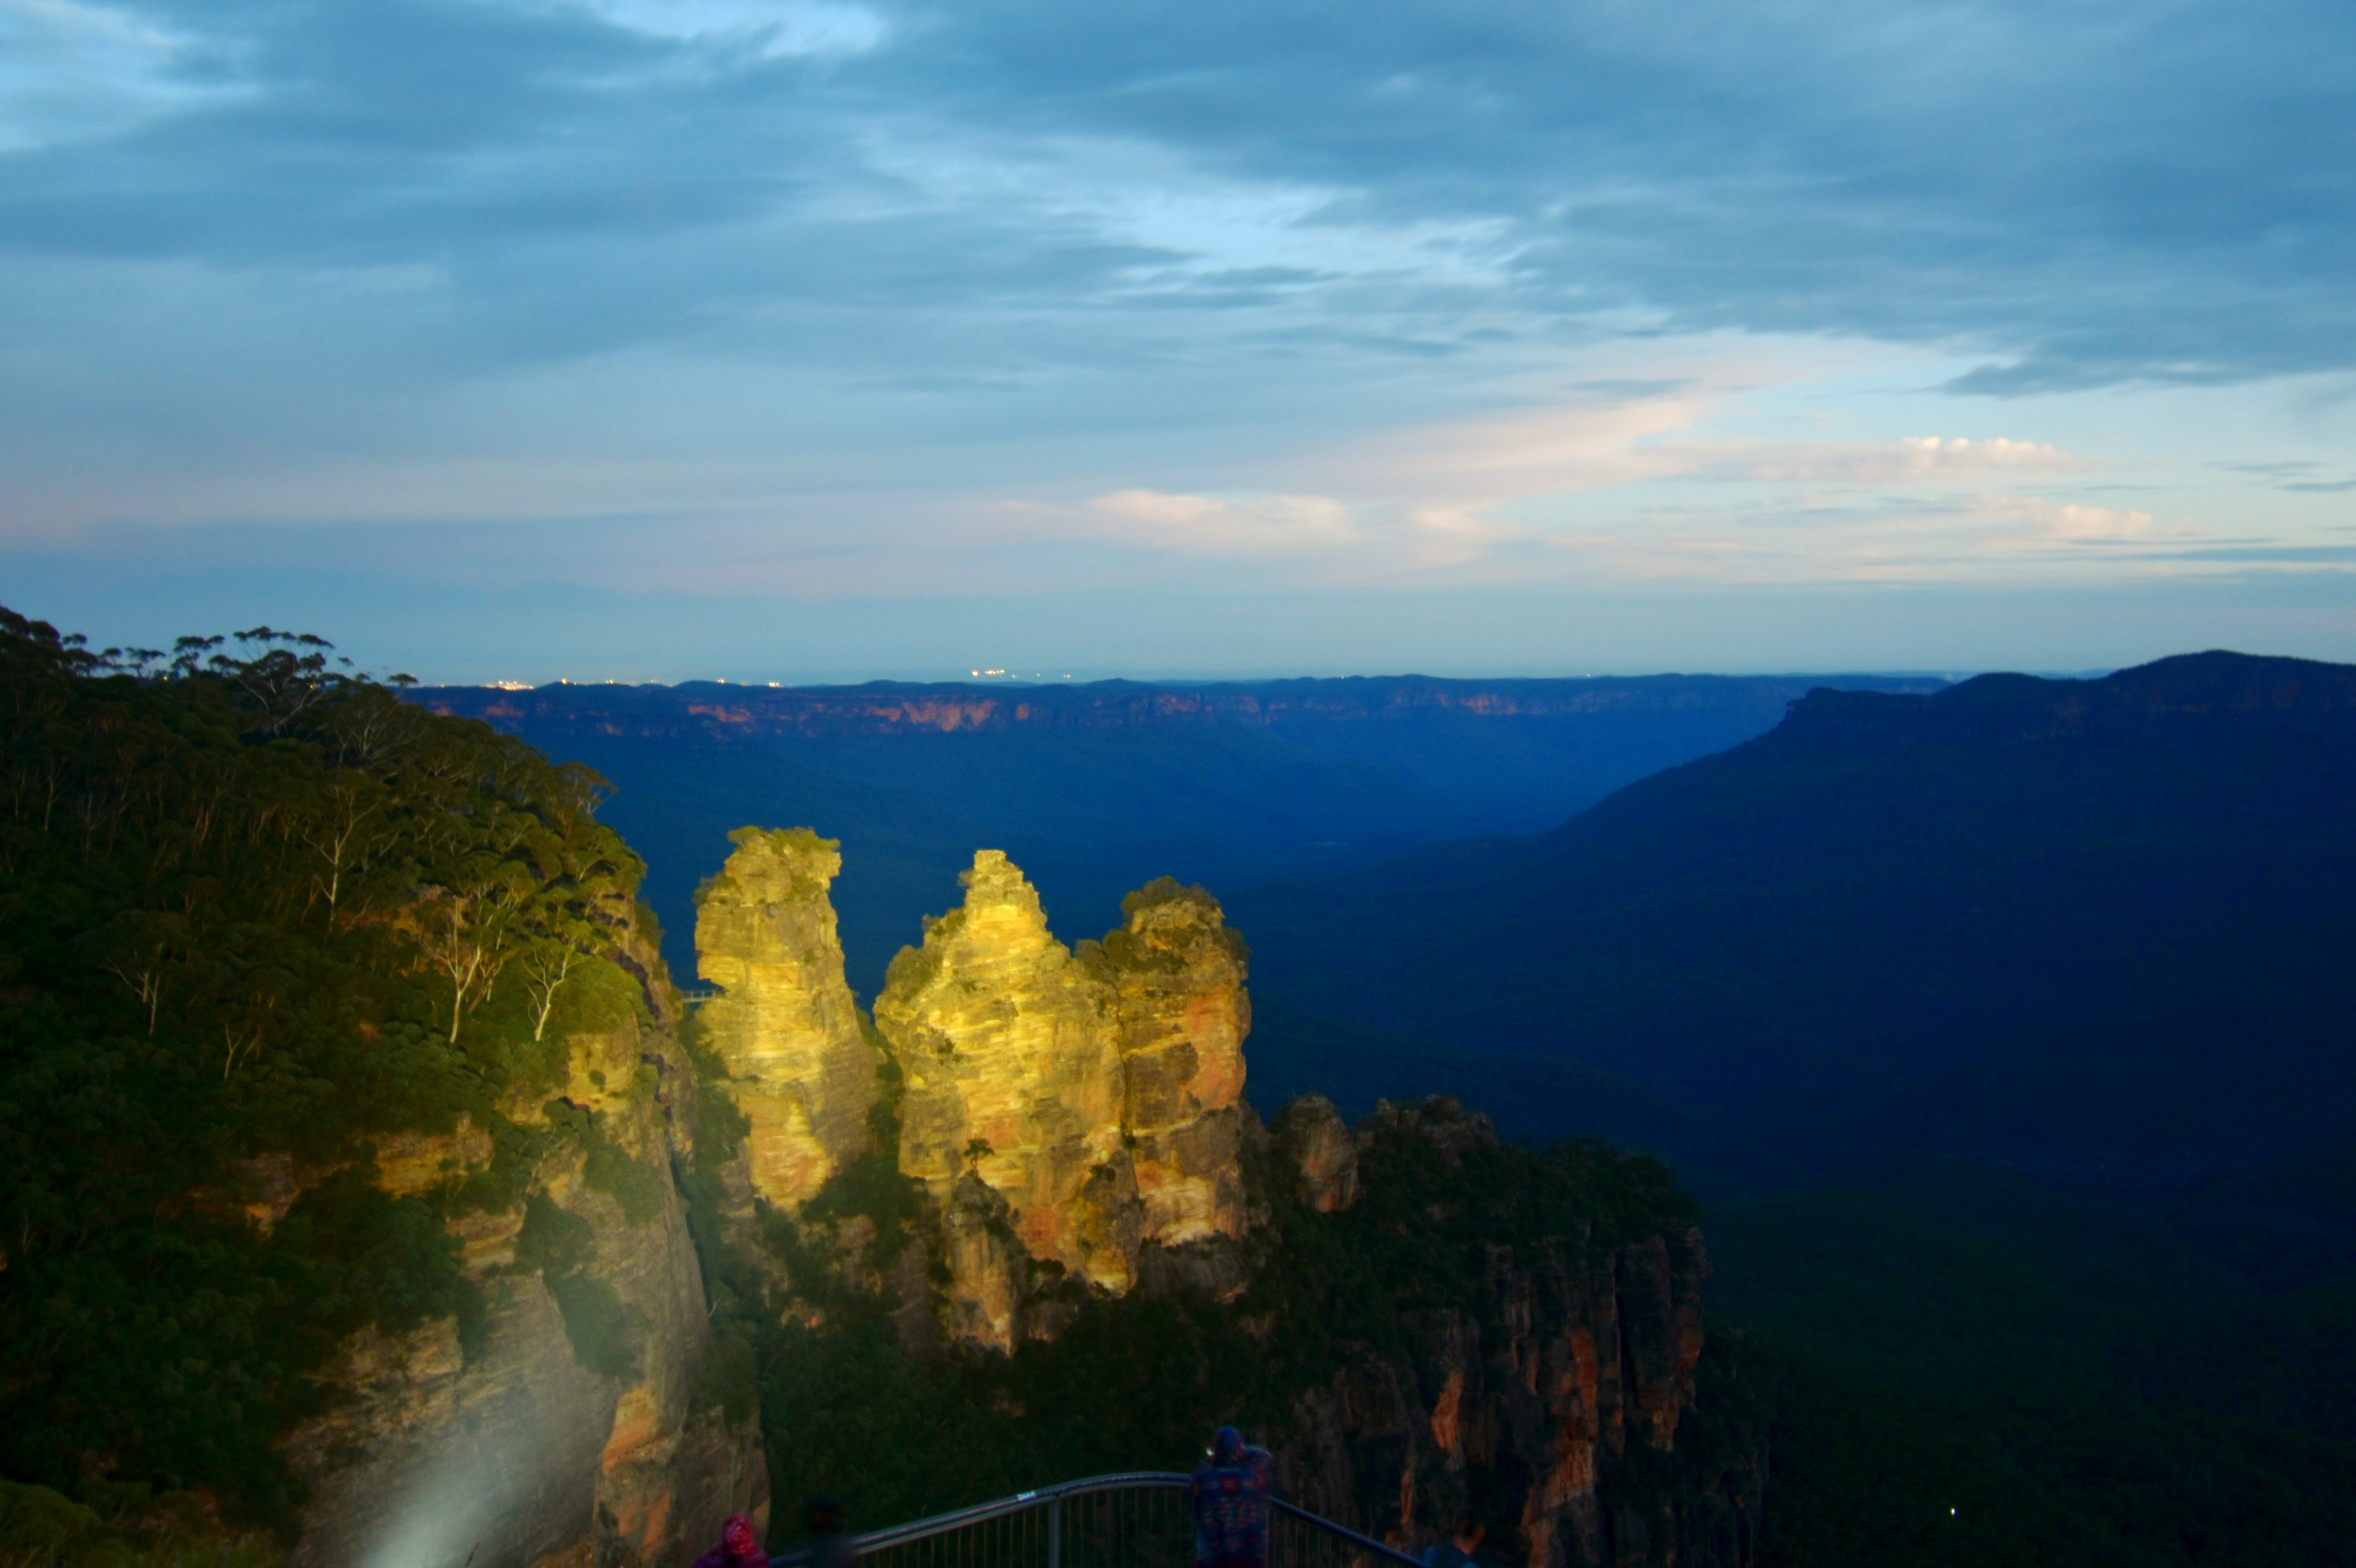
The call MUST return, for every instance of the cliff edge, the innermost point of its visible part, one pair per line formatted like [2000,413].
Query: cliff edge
[1074,1197]
[582,1418]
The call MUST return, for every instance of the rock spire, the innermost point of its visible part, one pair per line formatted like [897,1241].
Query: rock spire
[1007,1047]
[1180,1015]
[785,1026]
[1069,1112]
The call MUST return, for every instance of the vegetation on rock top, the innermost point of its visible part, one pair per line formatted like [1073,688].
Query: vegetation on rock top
[252,904]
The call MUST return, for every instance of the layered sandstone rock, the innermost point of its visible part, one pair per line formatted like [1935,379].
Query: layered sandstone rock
[1310,1133]
[1580,1357]
[785,1027]
[511,1449]
[1006,1047]
[1180,1014]
[1098,1094]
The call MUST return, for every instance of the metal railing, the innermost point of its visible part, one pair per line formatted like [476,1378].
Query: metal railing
[1141,1518]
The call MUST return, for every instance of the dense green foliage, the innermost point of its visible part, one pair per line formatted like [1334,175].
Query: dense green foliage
[251,905]
[125,1526]
[891,1435]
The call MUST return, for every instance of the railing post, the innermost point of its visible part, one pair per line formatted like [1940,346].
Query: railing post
[1055,1532]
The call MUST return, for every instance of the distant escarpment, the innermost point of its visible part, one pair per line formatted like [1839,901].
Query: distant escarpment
[1094,787]
[718,709]
[2093,928]
[339,1106]
[1065,1243]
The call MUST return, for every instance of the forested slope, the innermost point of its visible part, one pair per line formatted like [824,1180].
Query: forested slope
[293,976]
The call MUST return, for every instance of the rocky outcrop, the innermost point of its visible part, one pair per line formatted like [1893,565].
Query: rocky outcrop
[1071,1125]
[1098,1095]
[1580,1361]
[1180,1015]
[578,1421]
[785,1026]
[1007,1049]
[1310,1133]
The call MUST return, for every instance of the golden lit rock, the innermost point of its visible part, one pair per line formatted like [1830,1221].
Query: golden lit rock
[1006,1045]
[1177,971]
[1098,1095]
[785,1027]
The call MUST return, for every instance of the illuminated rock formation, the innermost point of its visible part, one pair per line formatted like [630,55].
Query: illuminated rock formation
[1006,1047]
[785,1027]
[1569,1357]
[1181,1014]
[1099,1094]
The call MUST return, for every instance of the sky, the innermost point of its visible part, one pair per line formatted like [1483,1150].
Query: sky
[818,339]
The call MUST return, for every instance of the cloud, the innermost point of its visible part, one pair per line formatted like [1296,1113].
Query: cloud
[1199,525]
[1413,293]
[2069,523]
[771,28]
[72,71]
[2075,195]
[1913,457]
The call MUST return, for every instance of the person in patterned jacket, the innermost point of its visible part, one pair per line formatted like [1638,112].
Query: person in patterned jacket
[1231,1511]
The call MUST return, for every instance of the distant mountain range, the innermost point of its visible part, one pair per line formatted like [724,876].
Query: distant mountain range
[2100,929]
[1098,788]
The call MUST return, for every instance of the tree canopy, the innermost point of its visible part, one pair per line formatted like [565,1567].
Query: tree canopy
[252,904]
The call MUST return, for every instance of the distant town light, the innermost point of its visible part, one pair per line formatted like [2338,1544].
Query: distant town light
[509,685]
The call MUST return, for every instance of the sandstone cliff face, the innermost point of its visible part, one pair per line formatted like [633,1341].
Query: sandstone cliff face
[786,1027]
[1073,1125]
[511,1449]
[1180,1015]
[1098,1095]
[1323,1153]
[1581,1360]
[1007,1049]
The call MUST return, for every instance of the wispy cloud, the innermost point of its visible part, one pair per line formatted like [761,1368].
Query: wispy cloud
[1914,457]
[770,28]
[70,70]
[1200,525]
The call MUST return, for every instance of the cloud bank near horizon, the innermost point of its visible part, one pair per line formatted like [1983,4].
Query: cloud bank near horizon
[831,301]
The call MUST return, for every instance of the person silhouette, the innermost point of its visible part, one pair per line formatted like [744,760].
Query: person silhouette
[738,1548]
[1231,1511]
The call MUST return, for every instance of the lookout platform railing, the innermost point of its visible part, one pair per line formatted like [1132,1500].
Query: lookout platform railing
[1140,1519]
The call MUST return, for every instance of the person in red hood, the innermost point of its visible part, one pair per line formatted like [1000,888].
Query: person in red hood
[738,1548]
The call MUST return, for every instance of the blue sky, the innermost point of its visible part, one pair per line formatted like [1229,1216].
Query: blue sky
[814,339]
